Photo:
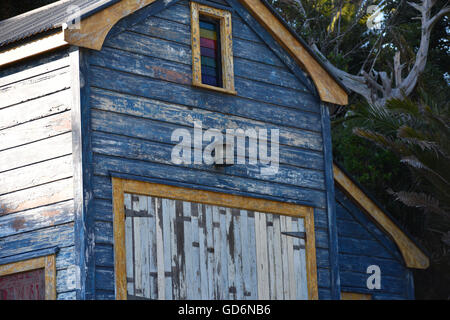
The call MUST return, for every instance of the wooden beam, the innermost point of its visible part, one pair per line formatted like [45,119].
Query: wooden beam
[329,89]
[413,256]
[122,186]
[94,29]
[32,48]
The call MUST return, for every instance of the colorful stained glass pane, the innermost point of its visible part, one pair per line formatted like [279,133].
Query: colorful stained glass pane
[209,52]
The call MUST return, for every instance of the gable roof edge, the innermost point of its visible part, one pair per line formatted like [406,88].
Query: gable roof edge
[413,255]
[94,29]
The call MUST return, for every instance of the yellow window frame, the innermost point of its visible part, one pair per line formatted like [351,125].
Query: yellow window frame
[48,263]
[226,47]
[121,186]
[355,296]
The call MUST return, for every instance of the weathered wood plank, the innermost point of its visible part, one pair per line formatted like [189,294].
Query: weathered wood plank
[363,247]
[153,267]
[32,110]
[160,249]
[356,263]
[261,256]
[36,174]
[187,240]
[359,280]
[175,251]
[224,279]
[162,153]
[302,281]
[147,107]
[35,130]
[61,236]
[238,274]
[270,256]
[118,145]
[278,267]
[51,215]
[204,230]
[284,256]
[56,62]
[34,87]
[175,73]
[36,152]
[129,248]
[168,210]
[230,247]
[181,252]
[36,197]
[217,281]
[102,166]
[195,252]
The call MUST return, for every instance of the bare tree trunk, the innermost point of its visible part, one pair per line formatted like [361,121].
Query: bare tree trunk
[377,87]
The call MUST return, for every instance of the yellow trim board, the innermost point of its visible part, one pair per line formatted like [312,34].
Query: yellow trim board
[413,256]
[355,296]
[94,29]
[329,89]
[33,48]
[122,186]
[48,263]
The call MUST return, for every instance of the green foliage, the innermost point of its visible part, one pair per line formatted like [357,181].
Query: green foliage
[419,134]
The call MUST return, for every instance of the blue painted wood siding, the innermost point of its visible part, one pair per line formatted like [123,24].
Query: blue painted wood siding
[140,91]
[36,175]
[361,244]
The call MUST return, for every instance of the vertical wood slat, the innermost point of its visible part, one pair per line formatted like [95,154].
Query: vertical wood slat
[245,256]
[252,258]
[195,253]
[277,257]
[160,249]
[181,253]
[203,252]
[217,280]
[142,246]
[270,256]
[174,251]
[224,281]
[302,275]
[209,229]
[290,260]
[284,255]
[129,248]
[296,256]
[188,250]
[153,281]
[261,256]
[230,254]
[137,254]
[167,207]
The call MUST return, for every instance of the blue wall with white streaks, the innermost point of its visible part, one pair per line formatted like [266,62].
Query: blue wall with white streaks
[139,91]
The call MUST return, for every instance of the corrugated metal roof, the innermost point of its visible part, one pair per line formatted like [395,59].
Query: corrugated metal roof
[46,18]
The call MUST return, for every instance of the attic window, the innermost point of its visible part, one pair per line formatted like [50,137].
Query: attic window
[212,53]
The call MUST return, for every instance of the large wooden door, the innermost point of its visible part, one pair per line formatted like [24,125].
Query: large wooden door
[185,250]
